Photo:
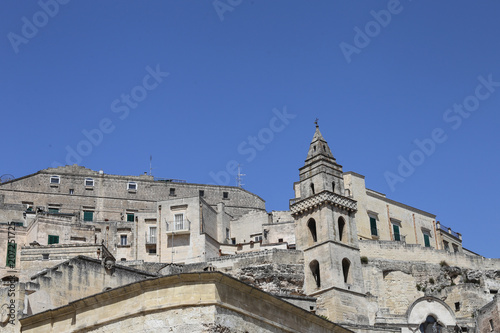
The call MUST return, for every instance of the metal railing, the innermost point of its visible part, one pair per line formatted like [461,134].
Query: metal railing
[449,231]
[169,180]
[150,239]
[184,225]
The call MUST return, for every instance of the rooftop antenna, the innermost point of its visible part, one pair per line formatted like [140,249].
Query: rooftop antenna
[150,160]
[239,177]
[316,122]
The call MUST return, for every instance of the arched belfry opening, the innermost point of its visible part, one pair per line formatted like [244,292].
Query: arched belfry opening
[311,224]
[346,265]
[342,229]
[314,266]
[312,189]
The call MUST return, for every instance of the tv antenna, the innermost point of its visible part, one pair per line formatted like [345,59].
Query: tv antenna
[150,161]
[6,178]
[239,177]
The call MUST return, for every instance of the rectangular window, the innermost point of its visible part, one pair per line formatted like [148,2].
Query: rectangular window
[227,233]
[130,217]
[152,250]
[225,195]
[172,192]
[89,182]
[395,228]
[446,245]
[55,179]
[53,239]
[258,238]
[132,186]
[202,193]
[373,226]
[123,240]
[457,306]
[179,221]
[71,191]
[11,255]
[455,248]
[427,241]
[233,241]
[88,216]
[152,235]
[280,240]
[492,327]
[53,210]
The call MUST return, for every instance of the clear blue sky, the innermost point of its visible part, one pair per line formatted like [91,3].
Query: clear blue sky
[221,75]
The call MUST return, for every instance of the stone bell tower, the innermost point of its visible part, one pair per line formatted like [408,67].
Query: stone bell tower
[325,229]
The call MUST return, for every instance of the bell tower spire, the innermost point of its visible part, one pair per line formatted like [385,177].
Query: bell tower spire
[325,230]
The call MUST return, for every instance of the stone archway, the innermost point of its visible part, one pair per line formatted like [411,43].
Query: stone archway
[430,315]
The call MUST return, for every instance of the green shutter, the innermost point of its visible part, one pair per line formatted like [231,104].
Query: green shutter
[53,239]
[88,216]
[11,255]
[53,210]
[395,227]
[426,241]
[373,226]
[130,217]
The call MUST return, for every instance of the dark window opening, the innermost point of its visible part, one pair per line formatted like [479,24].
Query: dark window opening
[172,191]
[130,217]
[314,266]
[45,256]
[373,226]
[312,189]
[346,264]
[311,224]
[457,306]
[280,240]
[225,195]
[202,193]
[152,251]
[341,223]
[333,186]
[397,236]
[427,241]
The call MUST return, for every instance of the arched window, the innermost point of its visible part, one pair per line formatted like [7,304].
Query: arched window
[312,189]
[314,266]
[341,223]
[346,264]
[311,224]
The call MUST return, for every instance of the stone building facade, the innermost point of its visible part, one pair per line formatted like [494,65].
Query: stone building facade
[344,252]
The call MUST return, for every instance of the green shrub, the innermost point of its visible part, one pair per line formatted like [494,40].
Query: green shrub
[444,264]
[364,260]
[431,281]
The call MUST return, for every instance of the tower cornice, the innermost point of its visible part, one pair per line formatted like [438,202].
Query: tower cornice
[299,206]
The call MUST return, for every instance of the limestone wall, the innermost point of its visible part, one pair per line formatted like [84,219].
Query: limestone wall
[192,303]
[412,252]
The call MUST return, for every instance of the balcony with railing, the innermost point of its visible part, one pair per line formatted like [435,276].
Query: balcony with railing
[447,230]
[150,239]
[179,227]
